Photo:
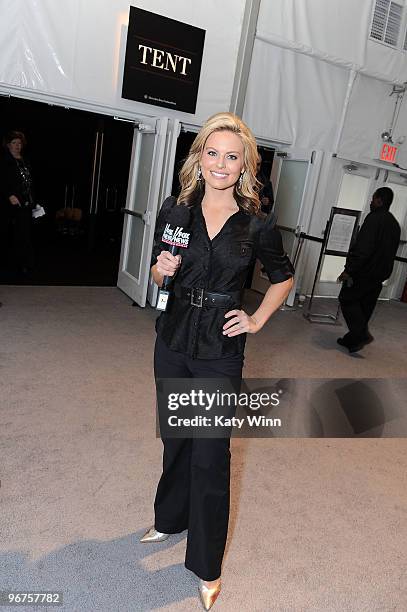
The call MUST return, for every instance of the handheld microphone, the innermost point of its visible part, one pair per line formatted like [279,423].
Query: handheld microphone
[175,235]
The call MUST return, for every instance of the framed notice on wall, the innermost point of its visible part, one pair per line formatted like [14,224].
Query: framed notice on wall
[163,61]
[342,229]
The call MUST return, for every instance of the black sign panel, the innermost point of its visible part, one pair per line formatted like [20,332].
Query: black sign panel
[163,61]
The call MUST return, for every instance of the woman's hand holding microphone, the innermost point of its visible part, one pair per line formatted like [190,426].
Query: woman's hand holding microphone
[167,264]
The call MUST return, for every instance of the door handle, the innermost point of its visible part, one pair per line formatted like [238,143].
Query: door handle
[133,213]
[147,217]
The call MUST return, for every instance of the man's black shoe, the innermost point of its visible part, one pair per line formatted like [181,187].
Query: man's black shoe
[352,348]
[356,347]
[369,338]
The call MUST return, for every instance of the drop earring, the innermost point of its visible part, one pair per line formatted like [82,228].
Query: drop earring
[240,181]
[199,174]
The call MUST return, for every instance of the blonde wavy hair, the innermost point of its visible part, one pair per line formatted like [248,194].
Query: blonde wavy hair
[246,194]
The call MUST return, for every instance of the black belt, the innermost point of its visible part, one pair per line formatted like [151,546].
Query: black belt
[200,297]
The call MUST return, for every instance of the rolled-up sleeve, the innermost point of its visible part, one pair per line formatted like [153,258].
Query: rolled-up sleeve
[159,228]
[270,251]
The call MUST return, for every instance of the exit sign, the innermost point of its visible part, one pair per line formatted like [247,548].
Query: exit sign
[388,152]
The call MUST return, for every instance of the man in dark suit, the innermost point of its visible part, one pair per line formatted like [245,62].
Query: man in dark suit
[369,262]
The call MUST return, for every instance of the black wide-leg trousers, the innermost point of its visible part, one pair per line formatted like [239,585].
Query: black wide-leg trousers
[193,491]
[357,304]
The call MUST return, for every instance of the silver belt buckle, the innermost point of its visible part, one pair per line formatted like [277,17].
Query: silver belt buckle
[197,297]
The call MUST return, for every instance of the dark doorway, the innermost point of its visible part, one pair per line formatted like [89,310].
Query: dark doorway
[267,157]
[184,142]
[80,164]
[266,192]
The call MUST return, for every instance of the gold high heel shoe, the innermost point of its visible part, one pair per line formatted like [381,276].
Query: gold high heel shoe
[208,595]
[152,535]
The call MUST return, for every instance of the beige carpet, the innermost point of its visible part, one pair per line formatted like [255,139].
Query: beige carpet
[316,524]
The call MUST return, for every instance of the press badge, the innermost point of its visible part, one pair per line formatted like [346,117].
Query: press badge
[162,299]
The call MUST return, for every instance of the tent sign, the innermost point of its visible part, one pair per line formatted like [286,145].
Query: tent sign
[388,152]
[163,61]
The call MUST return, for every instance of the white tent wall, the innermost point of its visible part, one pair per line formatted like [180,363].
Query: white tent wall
[334,28]
[317,81]
[369,114]
[338,31]
[75,49]
[383,60]
[293,97]
[298,85]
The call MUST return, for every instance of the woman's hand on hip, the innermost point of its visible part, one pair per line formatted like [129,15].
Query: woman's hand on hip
[168,264]
[239,323]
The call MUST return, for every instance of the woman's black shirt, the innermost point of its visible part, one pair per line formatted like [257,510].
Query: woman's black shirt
[219,265]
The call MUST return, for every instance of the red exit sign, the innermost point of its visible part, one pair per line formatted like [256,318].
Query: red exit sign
[388,152]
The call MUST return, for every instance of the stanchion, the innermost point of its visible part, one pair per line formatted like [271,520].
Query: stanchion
[317,317]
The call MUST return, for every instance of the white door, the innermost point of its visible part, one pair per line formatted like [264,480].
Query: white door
[143,194]
[296,178]
[170,158]
[352,186]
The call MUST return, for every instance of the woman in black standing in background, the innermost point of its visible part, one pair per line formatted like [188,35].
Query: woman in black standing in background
[203,333]
[17,203]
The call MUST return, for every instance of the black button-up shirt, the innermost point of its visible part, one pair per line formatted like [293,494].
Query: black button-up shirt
[220,265]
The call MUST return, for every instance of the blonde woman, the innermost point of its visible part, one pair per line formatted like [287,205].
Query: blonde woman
[203,333]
